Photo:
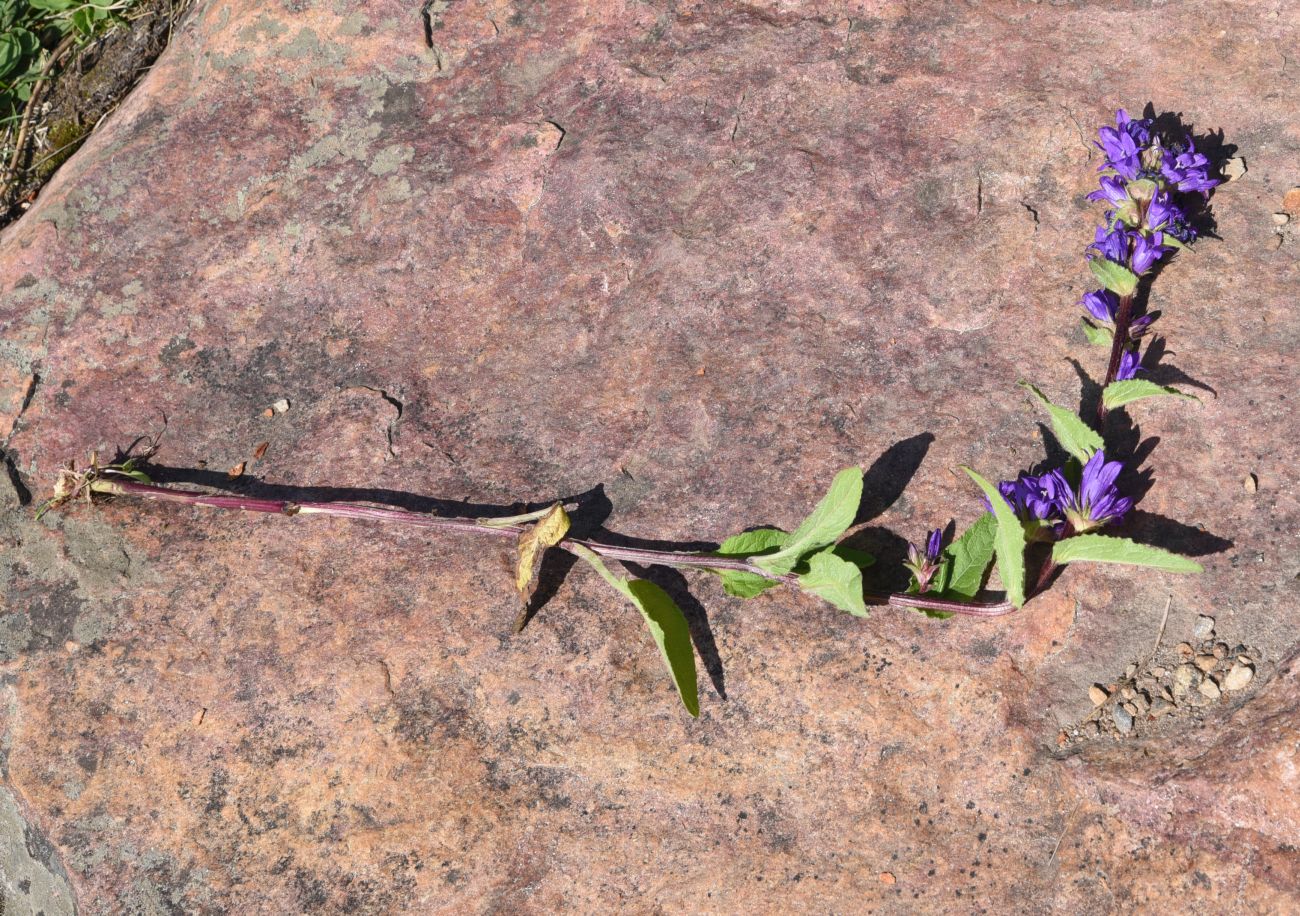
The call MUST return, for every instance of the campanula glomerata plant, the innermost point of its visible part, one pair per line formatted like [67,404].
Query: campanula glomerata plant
[1062,511]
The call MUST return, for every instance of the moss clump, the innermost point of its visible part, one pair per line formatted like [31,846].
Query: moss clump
[62,141]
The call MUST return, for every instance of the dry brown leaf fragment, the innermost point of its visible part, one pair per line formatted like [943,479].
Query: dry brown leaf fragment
[549,531]
[260,451]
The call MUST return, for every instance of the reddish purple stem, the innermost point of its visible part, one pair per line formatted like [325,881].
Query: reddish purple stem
[680,559]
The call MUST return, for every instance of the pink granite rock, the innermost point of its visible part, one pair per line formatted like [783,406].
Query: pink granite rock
[700,256]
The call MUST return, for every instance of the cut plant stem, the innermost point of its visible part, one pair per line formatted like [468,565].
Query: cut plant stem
[645,556]
[1123,321]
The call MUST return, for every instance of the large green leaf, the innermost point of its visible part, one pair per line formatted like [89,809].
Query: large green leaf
[1115,277]
[836,581]
[667,624]
[1075,436]
[1099,548]
[1008,541]
[1117,394]
[824,526]
[968,560]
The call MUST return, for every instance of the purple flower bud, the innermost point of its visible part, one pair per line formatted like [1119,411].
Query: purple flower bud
[1111,244]
[1146,251]
[1161,212]
[1101,304]
[1141,325]
[1122,144]
[1112,189]
[924,565]
[1129,365]
[1187,169]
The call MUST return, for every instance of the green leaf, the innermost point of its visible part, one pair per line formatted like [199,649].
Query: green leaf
[1075,436]
[52,6]
[750,543]
[1167,239]
[1098,548]
[667,626]
[1115,277]
[836,581]
[1117,394]
[832,517]
[968,559]
[1008,541]
[11,53]
[1098,335]
[742,546]
[859,558]
[83,20]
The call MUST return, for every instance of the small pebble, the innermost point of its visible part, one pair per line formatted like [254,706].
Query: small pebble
[1281,219]
[1138,706]
[1221,650]
[1166,695]
[1158,672]
[1160,707]
[1204,628]
[887,878]
[1234,168]
[1123,719]
[1238,676]
[1185,650]
[1097,694]
[1206,662]
[1130,671]
[1185,678]
[1127,693]
[1209,689]
[1291,201]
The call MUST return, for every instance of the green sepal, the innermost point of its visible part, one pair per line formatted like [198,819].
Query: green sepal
[1100,548]
[1117,394]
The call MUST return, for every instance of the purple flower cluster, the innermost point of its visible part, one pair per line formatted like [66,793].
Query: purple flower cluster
[1141,172]
[1050,500]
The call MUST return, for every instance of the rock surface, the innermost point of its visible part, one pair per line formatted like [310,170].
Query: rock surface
[688,260]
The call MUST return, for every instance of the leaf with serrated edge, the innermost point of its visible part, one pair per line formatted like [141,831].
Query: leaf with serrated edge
[742,546]
[1100,548]
[969,558]
[836,581]
[749,543]
[549,531]
[1075,436]
[1008,542]
[1117,394]
[667,626]
[1097,335]
[823,526]
[1115,277]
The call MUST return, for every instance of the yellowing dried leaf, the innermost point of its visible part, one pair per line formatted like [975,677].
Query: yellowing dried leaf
[549,531]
